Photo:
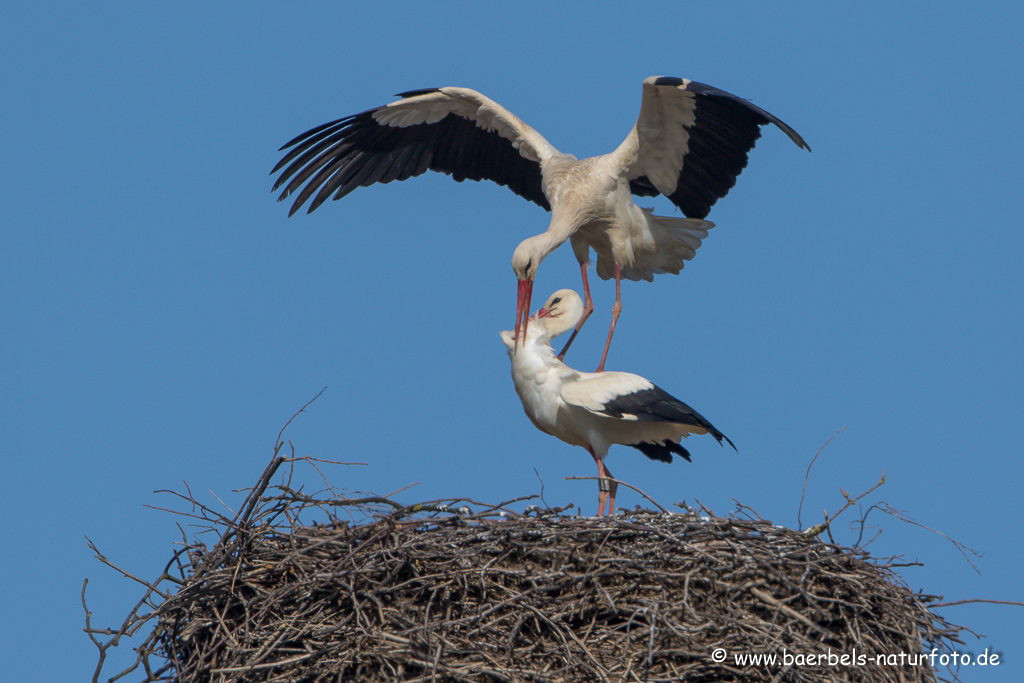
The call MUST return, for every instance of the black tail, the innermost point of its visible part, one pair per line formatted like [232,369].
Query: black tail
[662,451]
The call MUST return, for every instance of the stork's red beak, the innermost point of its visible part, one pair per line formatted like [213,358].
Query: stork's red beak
[523,307]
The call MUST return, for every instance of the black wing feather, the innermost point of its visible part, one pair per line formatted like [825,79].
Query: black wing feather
[399,165]
[657,405]
[339,156]
[725,129]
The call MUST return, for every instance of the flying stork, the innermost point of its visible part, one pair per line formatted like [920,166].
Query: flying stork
[689,143]
[595,410]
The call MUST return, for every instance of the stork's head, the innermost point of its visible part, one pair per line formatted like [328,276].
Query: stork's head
[560,312]
[527,257]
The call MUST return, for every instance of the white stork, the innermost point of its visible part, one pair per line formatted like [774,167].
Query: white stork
[595,410]
[689,143]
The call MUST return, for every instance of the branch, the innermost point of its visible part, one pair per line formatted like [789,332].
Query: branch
[799,525]
[628,486]
[967,602]
[818,529]
[890,510]
[278,444]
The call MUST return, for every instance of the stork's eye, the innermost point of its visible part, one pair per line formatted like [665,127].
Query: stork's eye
[556,300]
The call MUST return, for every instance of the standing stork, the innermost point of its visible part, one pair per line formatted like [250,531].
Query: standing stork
[596,410]
[689,143]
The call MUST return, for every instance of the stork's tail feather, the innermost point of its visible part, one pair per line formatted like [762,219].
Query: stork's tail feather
[662,451]
[678,239]
[675,241]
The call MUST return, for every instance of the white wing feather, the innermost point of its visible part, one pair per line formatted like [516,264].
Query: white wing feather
[433,106]
[659,140]
[593,391]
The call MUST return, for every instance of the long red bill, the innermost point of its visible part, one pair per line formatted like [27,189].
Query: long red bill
[524,295]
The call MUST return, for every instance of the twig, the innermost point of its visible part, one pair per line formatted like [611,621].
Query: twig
[980,600]
[819,528]
[541,480]
[799,524]
[277,442]
[628,486]
[890,510]
[397,491]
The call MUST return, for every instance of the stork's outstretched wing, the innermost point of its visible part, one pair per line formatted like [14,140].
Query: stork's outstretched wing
[456,131]
[690,142]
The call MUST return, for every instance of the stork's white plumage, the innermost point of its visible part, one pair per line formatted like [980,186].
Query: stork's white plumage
[595,410]
[690,142]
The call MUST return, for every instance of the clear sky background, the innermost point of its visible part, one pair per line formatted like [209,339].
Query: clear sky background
[162,318]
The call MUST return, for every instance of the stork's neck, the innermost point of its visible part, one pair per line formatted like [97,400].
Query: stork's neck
[543,244]
[536,349]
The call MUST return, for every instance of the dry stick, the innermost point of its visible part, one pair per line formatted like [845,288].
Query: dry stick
[208,515]
[600,668]
[132,623]
[819,528]
[269,665]
[596,555]
[397,491]
[298,496]
[890,510]
[225,505]
[278,444]
[628,486]
[89,631]
[313,462]
[151,586]
[770,600]
[254,496]
[967,602]
[709,511]
[650,641]
[799,525]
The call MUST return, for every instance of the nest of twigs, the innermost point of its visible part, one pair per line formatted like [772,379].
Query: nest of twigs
[466,592]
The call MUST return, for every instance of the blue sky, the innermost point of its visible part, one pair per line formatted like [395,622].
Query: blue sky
[163,318]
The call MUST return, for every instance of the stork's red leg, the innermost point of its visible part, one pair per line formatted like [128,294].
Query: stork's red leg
[602,492]
[606,488]
[588,308]
[616,309]
[613,488]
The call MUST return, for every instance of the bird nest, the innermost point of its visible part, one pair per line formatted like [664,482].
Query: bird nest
[466,592]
